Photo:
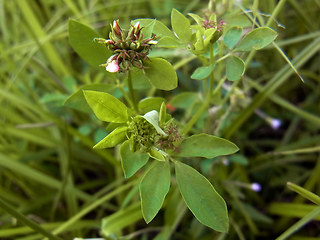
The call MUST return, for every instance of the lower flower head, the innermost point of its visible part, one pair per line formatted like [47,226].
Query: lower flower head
[112,64]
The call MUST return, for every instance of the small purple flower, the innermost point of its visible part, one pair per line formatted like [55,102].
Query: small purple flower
[256,187]
[275,123]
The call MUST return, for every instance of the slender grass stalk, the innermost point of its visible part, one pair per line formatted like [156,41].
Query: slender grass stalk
[92,206]
[304,193]
[272,86]
[303,221]
[9,209]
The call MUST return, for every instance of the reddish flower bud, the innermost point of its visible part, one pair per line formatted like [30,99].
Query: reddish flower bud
[116,28]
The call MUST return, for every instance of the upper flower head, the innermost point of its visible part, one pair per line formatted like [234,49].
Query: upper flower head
[129,47]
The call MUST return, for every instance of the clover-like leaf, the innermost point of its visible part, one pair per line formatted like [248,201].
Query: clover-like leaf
[114,138]
[204,145]
[161,74]
[106,107]
[131,161]
[234,68]
[181,25]
[201,198]
[257,39]
[81,38]
[154,187]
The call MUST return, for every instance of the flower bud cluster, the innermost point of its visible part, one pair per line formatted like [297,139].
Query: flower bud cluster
[129,47]
[142,134]
[172,140]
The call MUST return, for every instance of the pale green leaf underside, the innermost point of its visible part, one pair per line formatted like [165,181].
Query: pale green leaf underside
[154,187]
[204,145]
[153,118]
[201,198]
[106,107]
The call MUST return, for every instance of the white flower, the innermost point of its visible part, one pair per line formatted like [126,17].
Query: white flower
[112,64]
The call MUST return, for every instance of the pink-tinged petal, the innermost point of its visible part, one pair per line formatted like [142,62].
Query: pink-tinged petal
[112,66]
[137,25]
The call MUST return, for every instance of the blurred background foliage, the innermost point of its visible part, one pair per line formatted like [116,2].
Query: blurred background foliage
[50,173]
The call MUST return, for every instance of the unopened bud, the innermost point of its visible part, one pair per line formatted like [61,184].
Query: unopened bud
[116,28]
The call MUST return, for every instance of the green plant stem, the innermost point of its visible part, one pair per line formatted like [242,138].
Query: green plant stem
[295,227]
[27,221]
[92,206]
[304,193]
[131,91]
[206,102]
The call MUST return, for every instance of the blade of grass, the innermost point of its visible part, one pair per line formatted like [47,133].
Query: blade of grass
[49,50]
[20,217]
[66,225]
[295,227]
[304,193]
[272,86]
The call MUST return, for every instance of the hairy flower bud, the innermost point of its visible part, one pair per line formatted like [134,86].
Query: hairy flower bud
[116,28]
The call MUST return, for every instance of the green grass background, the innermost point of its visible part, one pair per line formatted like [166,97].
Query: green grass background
[50,173]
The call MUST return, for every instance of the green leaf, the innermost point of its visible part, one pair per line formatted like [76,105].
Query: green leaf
[181,25]
[161,74]
[168,42]
[106,107]
[201,73]
[199,20]
[150,103]
[120,220]
[81,38]
[139,80]
[159,28]
[204,145]
[114,138]
[184,100]
[232,36]
[239,21]
[154,187]
[238,158]
[201,198]
[257,39]
[131,161]
[157,154]
[78,101]
[153,118]
[234,68]
[163,113]
[148,30]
